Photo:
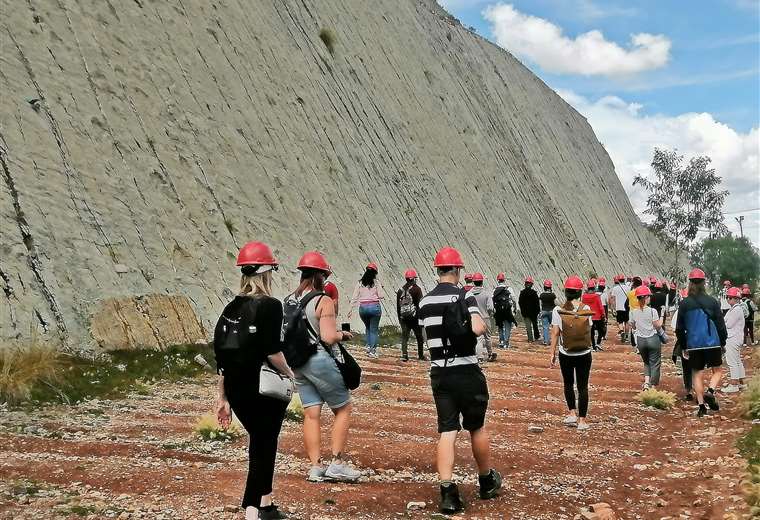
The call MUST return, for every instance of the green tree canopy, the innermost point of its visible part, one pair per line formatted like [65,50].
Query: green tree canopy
[728,258]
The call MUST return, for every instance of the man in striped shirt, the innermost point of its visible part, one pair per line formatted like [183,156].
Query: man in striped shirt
[459,387]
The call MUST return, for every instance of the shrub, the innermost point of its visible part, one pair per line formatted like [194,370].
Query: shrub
[328,38]
[24,366]
[659,399]
[294,411]
[208,429]
[750,401]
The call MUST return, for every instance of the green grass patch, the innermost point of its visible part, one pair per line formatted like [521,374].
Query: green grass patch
[659,399]
[749,445]
[120,372]
[294,411]
[750,401]
[208,429]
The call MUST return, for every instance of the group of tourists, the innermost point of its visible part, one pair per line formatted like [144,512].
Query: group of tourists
[262,344]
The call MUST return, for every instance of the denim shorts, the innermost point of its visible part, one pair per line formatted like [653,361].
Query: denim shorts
[319,381]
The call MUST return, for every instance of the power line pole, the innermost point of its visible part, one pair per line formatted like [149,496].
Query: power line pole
[740,220]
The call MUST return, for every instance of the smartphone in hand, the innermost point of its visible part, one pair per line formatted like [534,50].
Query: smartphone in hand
[345,327]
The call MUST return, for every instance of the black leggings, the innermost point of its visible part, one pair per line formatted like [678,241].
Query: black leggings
[262,418]
[575,371]
[749,332]
[598,331]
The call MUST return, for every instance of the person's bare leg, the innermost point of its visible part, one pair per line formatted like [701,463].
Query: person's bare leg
[698,386]
[266,500]
[445,455]
[340,430]
[481,450]
[311,433]
[717,375]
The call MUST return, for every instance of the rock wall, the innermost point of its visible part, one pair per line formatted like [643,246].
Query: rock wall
[143,141]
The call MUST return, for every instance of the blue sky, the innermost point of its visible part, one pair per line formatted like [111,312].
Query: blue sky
[690,81]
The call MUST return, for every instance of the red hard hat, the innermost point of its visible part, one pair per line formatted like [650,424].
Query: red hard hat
[746,291]
[256,253]
[372,265]
[477,277]
[733,292]
[410,273]
[314,260]
[591,284]
[547,283]
[574,282]
[528,279]
[643,290]
[467,277]
[697,274]
[727,283]
[658,284]
[684,293]
[745,286]
[602,280]
[501,277]
[448,257]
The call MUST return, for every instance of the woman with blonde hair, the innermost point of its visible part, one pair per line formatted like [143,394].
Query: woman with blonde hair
[246,337]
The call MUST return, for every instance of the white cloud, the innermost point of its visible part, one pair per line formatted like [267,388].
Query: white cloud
[631,136]
[588,54]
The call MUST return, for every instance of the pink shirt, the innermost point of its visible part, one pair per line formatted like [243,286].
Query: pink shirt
[367,294]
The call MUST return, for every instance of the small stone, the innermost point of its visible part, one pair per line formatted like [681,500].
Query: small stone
[415,506]
[535,429]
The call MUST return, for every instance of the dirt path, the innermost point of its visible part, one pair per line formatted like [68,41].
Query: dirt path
[136,458]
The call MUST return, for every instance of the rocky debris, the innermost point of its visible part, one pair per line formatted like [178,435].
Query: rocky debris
[415,506]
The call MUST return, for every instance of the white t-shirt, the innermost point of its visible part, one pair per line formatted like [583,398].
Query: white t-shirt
[557,322]
[621,295]
[735,323]
[605,296]
[643,320]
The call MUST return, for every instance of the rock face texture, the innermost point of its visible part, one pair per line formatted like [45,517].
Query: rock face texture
[143,141]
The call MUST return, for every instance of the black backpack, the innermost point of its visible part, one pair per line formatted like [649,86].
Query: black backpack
[297,342]
[502,301]
[234,330]
[457,325]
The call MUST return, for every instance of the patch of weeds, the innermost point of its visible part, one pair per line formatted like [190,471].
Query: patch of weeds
[659,399]
[208,429]
[749,448]
[230,226]
[294,411]
[328,38]
[25,366]
[750,401]
[749,445]
[80,510]
[119,373]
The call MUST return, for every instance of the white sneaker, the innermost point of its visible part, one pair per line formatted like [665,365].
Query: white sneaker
[570,420]
[730,389]
[583,426]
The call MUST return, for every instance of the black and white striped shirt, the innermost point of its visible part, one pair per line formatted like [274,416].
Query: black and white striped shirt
[430,315]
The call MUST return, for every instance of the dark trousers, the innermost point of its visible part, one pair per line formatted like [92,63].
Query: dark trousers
[575,373]
[749,332]
[598,331]
[407,326]
[686,374]
[262,418]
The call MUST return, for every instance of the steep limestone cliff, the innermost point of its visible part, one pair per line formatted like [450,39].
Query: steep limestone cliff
[142,142]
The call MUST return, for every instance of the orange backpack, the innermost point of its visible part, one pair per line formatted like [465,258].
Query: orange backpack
[576,330]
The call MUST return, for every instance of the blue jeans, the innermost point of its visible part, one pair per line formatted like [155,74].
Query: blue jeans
[505,332]
[370,314]
[546,321]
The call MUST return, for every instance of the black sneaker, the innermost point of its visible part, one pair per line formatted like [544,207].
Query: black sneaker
[271,513]
[711,401]
[451,502]
[702,411]
[490,484]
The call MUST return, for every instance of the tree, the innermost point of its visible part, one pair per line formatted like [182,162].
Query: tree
[728,258]
[682,198]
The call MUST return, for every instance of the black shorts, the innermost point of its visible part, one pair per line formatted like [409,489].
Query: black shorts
[621,316]
[702,358]
[460,390]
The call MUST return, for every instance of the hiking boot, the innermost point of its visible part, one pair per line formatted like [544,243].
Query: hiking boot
[583,426]
[316,474]
[490,484]
[451,502]
[702,411]
[711,401]
[570,420]
[342,472]
[271,513]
